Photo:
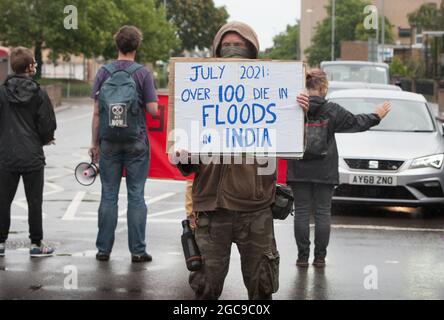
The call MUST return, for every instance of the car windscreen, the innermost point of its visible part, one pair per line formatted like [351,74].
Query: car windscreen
[405,116]
[357,73]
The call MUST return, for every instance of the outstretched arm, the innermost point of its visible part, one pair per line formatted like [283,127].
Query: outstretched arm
[346,121]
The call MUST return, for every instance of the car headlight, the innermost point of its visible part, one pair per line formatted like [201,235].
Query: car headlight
[434,161]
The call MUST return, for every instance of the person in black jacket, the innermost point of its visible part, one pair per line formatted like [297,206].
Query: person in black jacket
[313,181]
[27,123]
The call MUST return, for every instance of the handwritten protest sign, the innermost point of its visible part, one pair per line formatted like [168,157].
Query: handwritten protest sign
[233,106]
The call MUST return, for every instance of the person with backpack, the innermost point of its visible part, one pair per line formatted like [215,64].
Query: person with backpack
[314,177]
[122,91]
[27,123]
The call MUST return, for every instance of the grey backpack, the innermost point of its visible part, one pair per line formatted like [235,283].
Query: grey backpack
[119,111]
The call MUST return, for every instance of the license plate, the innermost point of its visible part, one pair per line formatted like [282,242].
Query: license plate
[371,180]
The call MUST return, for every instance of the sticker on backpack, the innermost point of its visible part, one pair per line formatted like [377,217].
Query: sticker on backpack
[118,115]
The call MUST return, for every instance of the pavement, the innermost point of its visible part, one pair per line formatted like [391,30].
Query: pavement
[374,253]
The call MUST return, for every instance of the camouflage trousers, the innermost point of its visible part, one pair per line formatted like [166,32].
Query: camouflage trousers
[253,233]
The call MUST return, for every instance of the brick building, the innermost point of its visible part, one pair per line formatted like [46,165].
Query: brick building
[313,11]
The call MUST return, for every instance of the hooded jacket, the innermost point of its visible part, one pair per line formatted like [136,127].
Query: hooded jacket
[240,28]
[340,120]
[27,123]
[233,187]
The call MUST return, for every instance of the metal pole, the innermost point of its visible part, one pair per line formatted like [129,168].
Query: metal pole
[378,56]
[333,31]
[383,31]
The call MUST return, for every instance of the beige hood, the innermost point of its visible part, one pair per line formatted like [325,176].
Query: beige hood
[242,29]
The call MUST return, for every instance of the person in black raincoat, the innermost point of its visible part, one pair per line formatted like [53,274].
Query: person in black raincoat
[313,181]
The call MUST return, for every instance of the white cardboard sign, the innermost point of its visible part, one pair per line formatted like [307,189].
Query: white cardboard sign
[238,106]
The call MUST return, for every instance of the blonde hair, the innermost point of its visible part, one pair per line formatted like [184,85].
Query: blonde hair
[316,79]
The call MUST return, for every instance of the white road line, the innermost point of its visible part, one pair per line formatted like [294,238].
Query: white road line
[123,195]
[162,213]
[68,173]
[91,213]
[151,201]
[183,182]
[371,227]
[55,189]
[25,207]
[74,206]
[172,221]
[161,197]
[384,228]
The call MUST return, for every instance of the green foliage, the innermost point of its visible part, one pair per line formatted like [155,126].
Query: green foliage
[415,68]
[350,17]
[428,17]
[286,45]
[397,68]
[159,35]
[76,88]
[197,21]
[363,35]
[40,24]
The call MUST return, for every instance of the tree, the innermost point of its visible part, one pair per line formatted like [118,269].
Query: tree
[39,24]
[350,19]
[197,21]
[159,35]
[397,68]
[286,45]
[428,17]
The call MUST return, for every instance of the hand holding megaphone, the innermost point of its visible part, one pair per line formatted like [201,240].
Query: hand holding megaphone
[86,173]
[94,154]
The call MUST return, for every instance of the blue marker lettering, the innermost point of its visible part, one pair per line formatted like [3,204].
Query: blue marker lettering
[205,115]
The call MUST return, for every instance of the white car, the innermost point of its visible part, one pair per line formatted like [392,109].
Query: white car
[357,71]
[397,163]
[357,75]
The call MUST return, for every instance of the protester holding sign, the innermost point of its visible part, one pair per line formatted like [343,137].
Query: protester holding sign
[313,178]
[232,203]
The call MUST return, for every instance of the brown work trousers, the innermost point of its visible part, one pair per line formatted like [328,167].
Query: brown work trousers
[253,233]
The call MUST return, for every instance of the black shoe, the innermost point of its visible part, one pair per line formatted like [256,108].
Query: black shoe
[101,256]
[141,258]
[302,263]
[319,262]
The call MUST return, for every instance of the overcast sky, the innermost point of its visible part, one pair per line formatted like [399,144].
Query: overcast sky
[267,17]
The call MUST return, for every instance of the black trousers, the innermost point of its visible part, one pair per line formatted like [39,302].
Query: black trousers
[33,182]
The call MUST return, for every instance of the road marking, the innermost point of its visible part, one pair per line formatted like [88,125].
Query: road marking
[122,195]
[175,253]
[172,221]
[167,181]
[74,206]
[21,202]
[25,207]
[162,213]
[88,253]
[151,201]
[69,173]
[384,228]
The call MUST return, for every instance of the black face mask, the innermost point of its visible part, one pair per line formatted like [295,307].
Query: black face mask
[235,52]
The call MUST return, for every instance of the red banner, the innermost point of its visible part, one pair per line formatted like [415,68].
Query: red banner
[160,167]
